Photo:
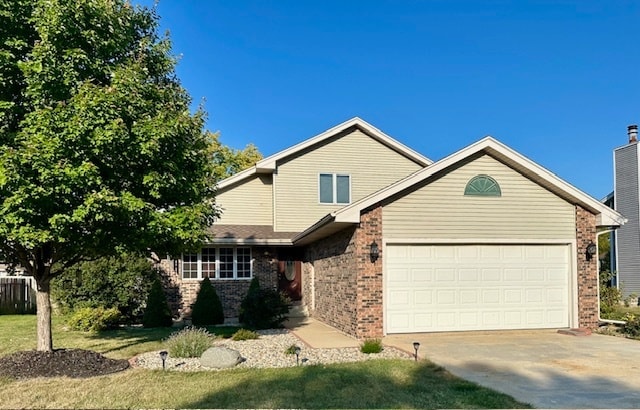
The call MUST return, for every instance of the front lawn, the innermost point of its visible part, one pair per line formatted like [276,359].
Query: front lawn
[370,384]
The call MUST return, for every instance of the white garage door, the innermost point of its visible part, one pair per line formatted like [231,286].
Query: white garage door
[476,287]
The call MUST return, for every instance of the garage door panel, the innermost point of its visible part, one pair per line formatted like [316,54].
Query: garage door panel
[476,287]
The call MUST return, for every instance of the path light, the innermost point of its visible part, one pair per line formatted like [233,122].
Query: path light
[163,356]
[416,346]
[297,352]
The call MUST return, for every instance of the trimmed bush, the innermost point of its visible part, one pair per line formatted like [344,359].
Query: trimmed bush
[371,346]
[245,334]
[157,312]
[94,319]
[263,308]
[120,281]
[189,342]
[207,309]
[632,328]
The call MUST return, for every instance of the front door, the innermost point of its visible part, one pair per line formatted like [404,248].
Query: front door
[290,278]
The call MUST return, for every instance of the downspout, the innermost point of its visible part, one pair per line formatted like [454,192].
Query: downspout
[611,321]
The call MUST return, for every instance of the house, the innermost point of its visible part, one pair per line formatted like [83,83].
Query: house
[373,238]
[625,199]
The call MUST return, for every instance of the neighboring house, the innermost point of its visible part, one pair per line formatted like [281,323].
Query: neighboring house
[625,199]
[373,238]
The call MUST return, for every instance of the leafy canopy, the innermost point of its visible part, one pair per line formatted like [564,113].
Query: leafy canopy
[99,150]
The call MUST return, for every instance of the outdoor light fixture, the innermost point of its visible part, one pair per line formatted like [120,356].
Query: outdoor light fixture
[591,250]
[163,356]
[297,352]
[416,346]
[374,251]
[176,265]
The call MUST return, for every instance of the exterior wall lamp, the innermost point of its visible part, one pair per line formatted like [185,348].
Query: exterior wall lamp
[591,250]
[374,251]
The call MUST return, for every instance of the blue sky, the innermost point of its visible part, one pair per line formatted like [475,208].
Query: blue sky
[555,80]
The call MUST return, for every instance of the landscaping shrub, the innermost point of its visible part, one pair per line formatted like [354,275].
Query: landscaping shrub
[632,328]
[189,342]
[610,297]
[120,281]
[245,334]
[371,346]
[207,309]
[263,308]
[157,312]
[90,319]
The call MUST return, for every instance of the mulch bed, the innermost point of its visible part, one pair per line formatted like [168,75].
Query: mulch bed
[75,363]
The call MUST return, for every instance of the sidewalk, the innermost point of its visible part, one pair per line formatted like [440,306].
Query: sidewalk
[317,335]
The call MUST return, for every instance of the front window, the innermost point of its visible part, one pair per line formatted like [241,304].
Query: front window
[218,263]
[334,189]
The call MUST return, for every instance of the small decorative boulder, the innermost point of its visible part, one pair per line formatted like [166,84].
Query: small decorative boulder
[220,357]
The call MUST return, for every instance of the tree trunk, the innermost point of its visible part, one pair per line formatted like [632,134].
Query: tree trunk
[43,306]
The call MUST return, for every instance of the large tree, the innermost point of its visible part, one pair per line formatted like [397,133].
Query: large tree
[99,150]
[228,161]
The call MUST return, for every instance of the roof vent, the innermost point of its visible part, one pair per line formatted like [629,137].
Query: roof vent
[632,131]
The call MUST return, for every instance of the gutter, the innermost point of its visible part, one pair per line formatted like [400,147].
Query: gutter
[610,321]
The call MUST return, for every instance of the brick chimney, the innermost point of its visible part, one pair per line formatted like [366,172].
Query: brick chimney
[632,132]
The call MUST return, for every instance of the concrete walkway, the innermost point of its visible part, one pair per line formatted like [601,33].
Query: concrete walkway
[319,335]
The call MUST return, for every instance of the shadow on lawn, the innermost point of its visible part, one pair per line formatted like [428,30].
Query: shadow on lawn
[371,384]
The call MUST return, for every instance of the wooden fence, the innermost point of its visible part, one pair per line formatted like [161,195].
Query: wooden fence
[17,295]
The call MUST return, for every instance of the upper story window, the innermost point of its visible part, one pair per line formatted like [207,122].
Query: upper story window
[334,188]
[482,185]
[218,263]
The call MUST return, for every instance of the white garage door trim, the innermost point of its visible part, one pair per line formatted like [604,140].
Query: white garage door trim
[546,302]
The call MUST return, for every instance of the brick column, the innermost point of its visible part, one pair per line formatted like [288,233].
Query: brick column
[587,270]
[369,276]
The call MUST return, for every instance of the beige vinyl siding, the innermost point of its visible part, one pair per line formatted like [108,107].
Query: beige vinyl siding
[440,210]
[370,165]
[249,203]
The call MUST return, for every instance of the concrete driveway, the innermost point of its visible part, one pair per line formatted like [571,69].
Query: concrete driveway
[543,368]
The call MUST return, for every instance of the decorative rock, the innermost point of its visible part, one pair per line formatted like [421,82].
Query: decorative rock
[220,358]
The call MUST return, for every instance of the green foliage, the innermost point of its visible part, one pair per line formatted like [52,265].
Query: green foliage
[371,346]
[245,334]
[263,308]
[120,281]
[610,296]
[189,342]
[291,349]
[94,319]
[228,161]
[99,151]
[207,309]
[157,312]
[632,327]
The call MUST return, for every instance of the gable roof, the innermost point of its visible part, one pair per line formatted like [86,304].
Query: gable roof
[350,214]
[268,165]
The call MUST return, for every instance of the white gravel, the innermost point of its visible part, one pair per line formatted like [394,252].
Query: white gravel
[269,351]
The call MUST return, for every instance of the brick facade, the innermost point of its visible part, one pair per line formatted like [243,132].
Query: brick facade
[181,294]
[341,285]
[332,262]
[587,270]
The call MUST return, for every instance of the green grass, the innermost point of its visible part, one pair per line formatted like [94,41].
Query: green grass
[370,384]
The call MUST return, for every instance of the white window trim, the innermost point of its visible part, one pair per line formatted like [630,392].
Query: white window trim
[216,274]
[334,182]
